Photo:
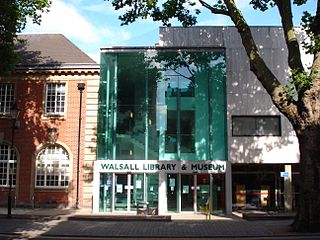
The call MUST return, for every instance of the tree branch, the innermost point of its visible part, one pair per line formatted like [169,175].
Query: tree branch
[294,57]
[259,67]
[214,10]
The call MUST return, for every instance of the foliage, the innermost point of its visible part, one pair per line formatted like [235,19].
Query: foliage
[13,19]
[170,9]
[302,79]
[311,26]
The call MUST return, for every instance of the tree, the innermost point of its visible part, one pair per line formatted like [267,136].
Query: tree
[299,100]
[13,19]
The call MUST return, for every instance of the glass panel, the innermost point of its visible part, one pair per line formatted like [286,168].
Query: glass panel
[135,84]
[256,125]
[55,98]
[125,148]
[152,182]
[186,86]
[187,192]
[121,193]
[171,137]
[52,167]
[243,126]
[203,191]
[187,132]
[132,109]
[105,192]
[172,86]
[217,107]
[172,191]
[218,193]
[268,125]
[137,192]
[125,121]
[6,97]
[153,139]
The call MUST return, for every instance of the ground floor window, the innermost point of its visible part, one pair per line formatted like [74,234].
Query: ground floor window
[184,192]
[52,167]
[8,165]
[123,192]
[196,192]
[262,186]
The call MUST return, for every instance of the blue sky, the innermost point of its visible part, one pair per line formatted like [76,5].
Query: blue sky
[92,24]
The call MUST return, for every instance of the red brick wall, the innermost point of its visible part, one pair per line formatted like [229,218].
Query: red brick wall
[51,198]
[33,132]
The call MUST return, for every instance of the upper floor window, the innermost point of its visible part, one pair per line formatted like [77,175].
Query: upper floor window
[6,97]
[55,98]
[256,126]
[52,167]
[8,165]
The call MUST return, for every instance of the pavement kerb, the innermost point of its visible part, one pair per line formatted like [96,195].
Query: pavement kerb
[304,236]
[86,214]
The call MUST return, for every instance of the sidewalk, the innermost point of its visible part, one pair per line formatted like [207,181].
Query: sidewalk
[76,223]
[86,214]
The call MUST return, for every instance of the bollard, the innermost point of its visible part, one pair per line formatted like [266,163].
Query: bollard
[208,209]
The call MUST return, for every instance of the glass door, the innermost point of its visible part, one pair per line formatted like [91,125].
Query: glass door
[152,185]
[187,193]
[203,191]
[172,192]
[121,192]
[137,191]
[105,192]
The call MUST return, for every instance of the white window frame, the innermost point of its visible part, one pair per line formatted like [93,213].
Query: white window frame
[8,157]
[7,97]
[55,99]
[52,162]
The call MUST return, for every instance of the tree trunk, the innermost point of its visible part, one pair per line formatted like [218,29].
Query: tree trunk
[308,214]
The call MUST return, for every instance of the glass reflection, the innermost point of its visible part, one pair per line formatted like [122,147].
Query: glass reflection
[160,105]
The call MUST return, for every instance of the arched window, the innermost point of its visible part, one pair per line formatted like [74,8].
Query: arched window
[52,167]
[8,165]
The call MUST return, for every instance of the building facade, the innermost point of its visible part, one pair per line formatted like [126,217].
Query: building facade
[161,134]
[185,126]
[41,153]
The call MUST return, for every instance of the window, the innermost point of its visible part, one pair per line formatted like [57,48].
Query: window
[55,98]
[52,167]
[8,165]
[256,126]
[6,97]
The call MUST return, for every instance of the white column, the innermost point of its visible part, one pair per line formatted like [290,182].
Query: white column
[288,188]
[228,181]
[162,194]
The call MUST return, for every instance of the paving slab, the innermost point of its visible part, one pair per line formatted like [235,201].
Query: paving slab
[79,223]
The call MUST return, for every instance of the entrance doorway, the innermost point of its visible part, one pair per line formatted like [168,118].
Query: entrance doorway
[121,192]
[129,189]
[189,192]
[172,192]
[203,191]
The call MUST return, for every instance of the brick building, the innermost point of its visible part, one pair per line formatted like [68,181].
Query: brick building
[41,160]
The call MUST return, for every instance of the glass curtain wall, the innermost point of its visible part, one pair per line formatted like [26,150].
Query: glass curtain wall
[162,105]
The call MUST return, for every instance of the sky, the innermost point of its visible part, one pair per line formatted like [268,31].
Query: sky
[92,24]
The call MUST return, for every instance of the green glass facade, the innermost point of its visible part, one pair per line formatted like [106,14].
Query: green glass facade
[162,105]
